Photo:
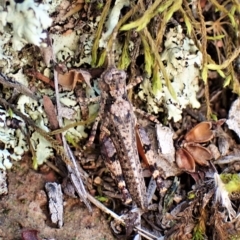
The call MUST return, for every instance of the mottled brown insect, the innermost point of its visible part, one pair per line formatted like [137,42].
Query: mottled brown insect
[118,128]
[118,138]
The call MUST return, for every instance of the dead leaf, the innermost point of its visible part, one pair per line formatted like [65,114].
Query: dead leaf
[199,153]
[51,115]
[86,77]
[70,79]
[40,76]
[185,160]
[200,133]
[67,79]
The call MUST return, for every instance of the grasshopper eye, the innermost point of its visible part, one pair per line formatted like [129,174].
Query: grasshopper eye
[107,77]
[121,77]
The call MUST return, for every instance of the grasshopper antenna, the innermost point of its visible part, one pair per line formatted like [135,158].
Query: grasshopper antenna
[110,50]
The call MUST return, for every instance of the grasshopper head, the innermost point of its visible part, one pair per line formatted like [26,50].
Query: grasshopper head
[114,82]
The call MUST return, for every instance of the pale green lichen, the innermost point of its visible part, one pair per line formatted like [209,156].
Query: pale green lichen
[28,21]
[14,141]
[43,148]
[182,61]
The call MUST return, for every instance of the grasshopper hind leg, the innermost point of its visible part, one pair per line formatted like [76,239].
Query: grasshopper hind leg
[109,155]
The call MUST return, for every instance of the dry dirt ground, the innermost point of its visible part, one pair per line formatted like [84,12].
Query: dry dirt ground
[25,207]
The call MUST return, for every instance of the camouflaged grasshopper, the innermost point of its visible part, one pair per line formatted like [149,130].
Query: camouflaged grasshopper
[119,134]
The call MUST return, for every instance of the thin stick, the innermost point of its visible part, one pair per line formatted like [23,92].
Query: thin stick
[140,231]
[74,173]
[54,168]
[8,82]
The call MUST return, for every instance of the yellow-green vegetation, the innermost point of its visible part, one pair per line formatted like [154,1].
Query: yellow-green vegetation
[235,237]
[10,112]
[99,5]
[221,32]
[102,199]
[214,117]
[125,59]
[99,32]
[191,195]
[71,140]
[231,181]
[199,231]
[198,234]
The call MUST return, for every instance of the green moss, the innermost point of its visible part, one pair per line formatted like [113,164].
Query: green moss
[198,234]
[231,181]
[191,195]
[102,198]
[99,6]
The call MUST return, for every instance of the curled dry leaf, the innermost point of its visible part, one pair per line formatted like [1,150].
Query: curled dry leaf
[184,160]
[50,112]
[192,152]
[200,133]
[85,76]
[219,122]
[142,140]
[70,79]
[199,153]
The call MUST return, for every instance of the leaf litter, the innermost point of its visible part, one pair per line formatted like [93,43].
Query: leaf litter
[176,47]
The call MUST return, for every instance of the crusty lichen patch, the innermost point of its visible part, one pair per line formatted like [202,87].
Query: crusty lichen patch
[28,21]
[182,61]
[28,27]
[13,140]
